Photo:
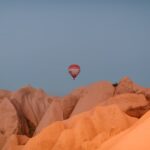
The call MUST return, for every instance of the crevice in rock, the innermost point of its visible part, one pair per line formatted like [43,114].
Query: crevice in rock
[31,128]
[68,111]
[2,131]
[23,124]
[138,112]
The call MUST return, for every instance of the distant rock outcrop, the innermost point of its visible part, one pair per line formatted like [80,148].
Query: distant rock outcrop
[93,95]
[126,85]
[4,94]
[127,101]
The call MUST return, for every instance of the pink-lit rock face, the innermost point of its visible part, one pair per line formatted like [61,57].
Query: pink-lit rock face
[127,101]
[31,102]
[9,121]
[4,94]
[93,95]
[126,85]
[53,113]
[70,101]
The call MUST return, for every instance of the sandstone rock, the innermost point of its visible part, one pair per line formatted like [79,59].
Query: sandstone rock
[135,138]
[68,103]
[146,92]
[126,85]
[3,139]
[15,142]
[59,109]
[4,94]
[127,101]
[32,102]
[9,122]
[93,95]
[138,111]
[78,131]
[60,126]
[53,113]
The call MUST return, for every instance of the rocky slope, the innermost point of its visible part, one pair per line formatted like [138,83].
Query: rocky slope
[99,116]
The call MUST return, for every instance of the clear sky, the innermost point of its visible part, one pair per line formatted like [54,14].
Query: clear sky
[39,39]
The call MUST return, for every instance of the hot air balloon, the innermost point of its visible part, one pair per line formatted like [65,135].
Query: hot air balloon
[74,70]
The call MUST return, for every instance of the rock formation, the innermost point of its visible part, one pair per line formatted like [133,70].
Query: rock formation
[99,116]
[93,95]
[79,132]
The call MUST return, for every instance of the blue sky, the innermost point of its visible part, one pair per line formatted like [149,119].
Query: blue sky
[40,39]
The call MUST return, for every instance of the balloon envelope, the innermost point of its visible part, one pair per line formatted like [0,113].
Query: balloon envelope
[74,70]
